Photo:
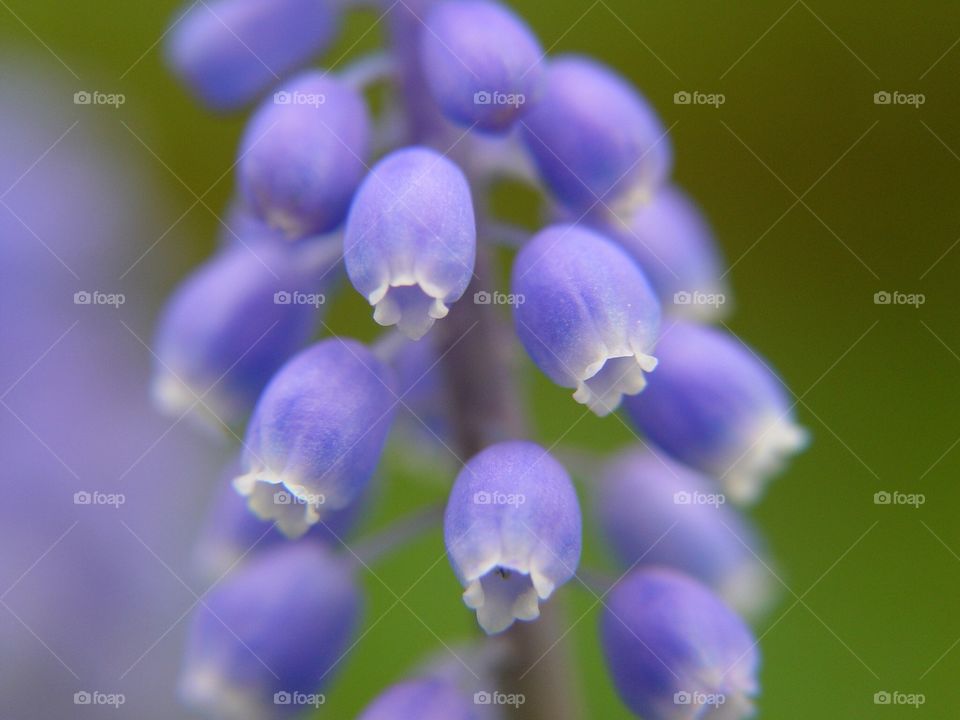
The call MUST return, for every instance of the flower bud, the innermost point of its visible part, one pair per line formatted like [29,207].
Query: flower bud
[276,626]
[672,242]
[411,239]
[482,63]
[675,651]
[713,405]
[303,154]
[513,532]
[424,699]
[316,434]
[595,139]
[232,323]
[654,511]
[230,51]
[589,319]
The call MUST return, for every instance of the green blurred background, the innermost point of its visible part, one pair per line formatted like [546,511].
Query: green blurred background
[821,198]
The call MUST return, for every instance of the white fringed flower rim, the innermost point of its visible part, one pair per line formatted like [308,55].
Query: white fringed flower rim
[411,304]
[605,381]
[293,506]
[504,592]
[207,690]
[771,443]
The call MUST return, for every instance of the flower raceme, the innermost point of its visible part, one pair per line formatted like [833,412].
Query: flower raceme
[471,97]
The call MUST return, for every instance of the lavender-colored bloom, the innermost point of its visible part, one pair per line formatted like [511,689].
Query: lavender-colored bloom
[675,651]
[482,63]
[230,51]
[425,699]
[231,325]
[304,153]
[674,245]
[411,239]
[232,533]
[316,434]
[656,511]
[717,407]
[513,532]
[277,625]
[588,317]
[595,139]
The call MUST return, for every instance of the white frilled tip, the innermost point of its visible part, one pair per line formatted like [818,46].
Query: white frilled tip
[607,380]
[411,305]
[771,443]
[502,594]
[208,691]
[294,507]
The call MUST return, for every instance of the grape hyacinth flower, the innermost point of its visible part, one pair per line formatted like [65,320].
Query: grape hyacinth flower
[482,63]
[675,651]
[423,698]
[276,627]
[512,529]
[231,325]
[304,153]
[230,51]
[411,237]
[655,511]
[672,242]
[597,143]
[232,533]
[316,435]
[589,319]
[715,406]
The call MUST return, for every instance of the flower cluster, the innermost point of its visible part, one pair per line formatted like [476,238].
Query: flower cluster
[608,304]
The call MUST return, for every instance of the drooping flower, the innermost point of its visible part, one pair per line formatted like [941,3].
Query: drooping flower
[674,245]
[304,153]
[233,322]
[588,317]
[411,237]
[597,143]
[482,63]
[273,630]
[655,511]
[675,651]
[230,51]
[513,532]
[715,406]
[316,434]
